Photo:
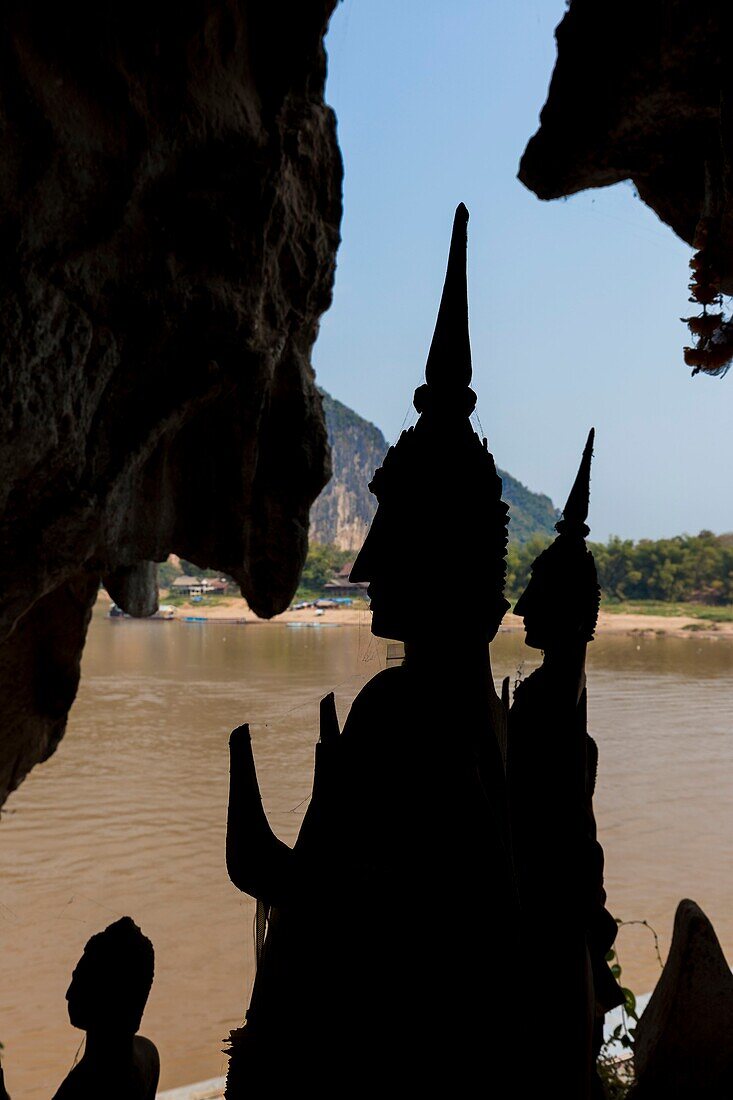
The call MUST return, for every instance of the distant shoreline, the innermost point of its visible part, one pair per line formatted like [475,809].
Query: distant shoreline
[622,622]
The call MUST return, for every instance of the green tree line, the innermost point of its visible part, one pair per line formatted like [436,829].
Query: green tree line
[683,569]
[686,568]
[320,565]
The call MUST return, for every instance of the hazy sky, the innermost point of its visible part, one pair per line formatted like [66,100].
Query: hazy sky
[574,305]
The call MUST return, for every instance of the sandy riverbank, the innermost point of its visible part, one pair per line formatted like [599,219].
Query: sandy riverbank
[677,626]
[608,623]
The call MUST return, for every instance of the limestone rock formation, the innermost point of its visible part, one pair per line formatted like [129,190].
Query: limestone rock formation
[170,185]
[342,513]
[684,1038]
[640,92]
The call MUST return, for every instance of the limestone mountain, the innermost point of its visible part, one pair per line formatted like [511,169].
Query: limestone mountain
[342,513]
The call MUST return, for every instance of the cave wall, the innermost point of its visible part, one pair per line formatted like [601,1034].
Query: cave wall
[170,201]
[640,92]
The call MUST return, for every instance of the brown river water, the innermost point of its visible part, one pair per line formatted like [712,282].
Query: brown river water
[129,815]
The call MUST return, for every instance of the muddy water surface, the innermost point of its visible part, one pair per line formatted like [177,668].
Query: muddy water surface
[129,815]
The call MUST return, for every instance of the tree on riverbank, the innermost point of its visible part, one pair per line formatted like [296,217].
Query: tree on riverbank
[322,563]
[686,568]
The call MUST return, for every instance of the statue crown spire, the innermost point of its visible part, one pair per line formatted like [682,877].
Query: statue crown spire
[575,512]
[448,369]
[438,476]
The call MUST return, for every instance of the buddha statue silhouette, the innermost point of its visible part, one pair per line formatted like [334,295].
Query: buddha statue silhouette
[439,495]
[106,998]
[552,765]
[391,956]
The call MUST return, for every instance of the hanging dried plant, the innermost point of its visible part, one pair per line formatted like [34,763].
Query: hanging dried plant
[712,352]
[704,325]
[712,355]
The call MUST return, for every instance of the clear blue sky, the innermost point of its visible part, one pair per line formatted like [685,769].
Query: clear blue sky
[574,304]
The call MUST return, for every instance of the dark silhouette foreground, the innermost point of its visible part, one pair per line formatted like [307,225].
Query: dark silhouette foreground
[107,996]
[552,764]
[399,930]
[684,1040]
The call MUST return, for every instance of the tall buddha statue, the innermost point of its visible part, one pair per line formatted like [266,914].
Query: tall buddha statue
[552,763]
[391,960]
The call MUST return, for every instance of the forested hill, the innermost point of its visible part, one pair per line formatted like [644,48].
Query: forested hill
[530,513]
[344,510]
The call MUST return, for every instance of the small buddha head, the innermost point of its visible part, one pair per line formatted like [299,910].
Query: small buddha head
[437,543]
[561,602]
[112,980]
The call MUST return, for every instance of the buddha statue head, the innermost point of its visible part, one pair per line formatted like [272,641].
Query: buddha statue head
[560,604]
[438,538]
[111,982]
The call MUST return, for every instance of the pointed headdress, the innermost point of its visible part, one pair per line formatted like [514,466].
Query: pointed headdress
[448,369]
[440,473]
[575,512]
[564,585]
